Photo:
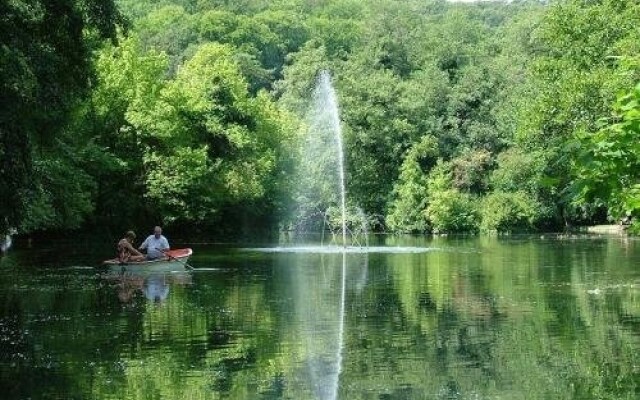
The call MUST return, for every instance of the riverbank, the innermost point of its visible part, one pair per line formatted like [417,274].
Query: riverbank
[608,229]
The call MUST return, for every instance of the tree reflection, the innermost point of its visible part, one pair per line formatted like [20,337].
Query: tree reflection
[480,320]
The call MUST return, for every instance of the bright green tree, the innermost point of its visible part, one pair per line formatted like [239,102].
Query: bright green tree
[208,144]
[408,208]
[608,169]
[574,81]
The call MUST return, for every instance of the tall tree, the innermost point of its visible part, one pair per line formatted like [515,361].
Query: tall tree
[574,82]
[44,70]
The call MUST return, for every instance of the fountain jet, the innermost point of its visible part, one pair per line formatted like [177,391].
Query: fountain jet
[322,180]
[325,88]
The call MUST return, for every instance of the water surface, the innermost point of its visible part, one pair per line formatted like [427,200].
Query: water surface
[455,318]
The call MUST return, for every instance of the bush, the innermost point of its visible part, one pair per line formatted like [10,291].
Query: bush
[518,170]
[449,210]
[509,211]
[469,171]
[410,194]
[453,211]
[634,228]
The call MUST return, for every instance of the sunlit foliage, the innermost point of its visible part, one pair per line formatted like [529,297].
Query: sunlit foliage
[107,101]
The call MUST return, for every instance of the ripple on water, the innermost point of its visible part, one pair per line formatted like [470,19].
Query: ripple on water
[340,249]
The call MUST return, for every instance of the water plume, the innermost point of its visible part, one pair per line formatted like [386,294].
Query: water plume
[322,168]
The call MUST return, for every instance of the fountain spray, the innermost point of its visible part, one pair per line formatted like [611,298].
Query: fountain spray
[325,89]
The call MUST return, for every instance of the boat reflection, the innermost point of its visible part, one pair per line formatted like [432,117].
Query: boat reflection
[153,286]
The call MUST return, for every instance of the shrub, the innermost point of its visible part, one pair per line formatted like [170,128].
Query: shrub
[518,171]
[410,195]
[449,210]
[509,211]
[453,211]
[469,171]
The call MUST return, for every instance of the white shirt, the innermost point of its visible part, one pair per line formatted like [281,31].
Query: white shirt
[151,243]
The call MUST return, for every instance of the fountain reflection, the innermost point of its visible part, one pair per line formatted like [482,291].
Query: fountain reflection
[339,250]
[322,191]
[321,284]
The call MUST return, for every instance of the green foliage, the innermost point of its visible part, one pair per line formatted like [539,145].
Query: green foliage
[431,67]
[449,210]
[377,134]
[294,92]
[508,211]
[260,41]
[169,29]
[183,184]
[208,142]
[407,210]
[518,171]
[128,80]
[337,35]
[585,32]
[62,197]
[452,211]
[410,89]
[128,83]
[608,169]
[209,93]
[575,79]
[44,72]
[469,171]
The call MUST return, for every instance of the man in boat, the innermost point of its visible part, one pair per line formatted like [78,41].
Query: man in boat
[126,251]
[156,244]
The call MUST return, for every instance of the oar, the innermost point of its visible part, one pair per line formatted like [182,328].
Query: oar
[166,253]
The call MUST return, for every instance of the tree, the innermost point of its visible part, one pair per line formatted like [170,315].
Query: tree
[44,71]
[574,81]
[128,82]
[608,169]
[170,29]
[208,144]
[407,211]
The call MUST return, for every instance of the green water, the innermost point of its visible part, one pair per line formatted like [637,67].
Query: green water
[473,318]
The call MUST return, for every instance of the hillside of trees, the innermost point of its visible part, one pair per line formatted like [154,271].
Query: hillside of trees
[457,117]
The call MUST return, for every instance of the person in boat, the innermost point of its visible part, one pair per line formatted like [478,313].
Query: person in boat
[126,251]
[155,245]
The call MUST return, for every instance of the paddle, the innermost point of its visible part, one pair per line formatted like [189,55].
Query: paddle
[166,253]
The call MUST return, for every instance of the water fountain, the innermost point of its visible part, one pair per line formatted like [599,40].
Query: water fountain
[325,125]
[321,192]
[326,111]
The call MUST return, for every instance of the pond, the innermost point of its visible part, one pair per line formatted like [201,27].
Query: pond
[521,317]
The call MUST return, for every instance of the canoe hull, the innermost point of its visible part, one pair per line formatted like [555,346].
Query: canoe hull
[175,262]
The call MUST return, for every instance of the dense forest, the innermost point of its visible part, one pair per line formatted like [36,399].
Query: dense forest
[457,117]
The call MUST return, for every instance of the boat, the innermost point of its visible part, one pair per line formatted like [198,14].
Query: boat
[176,260]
